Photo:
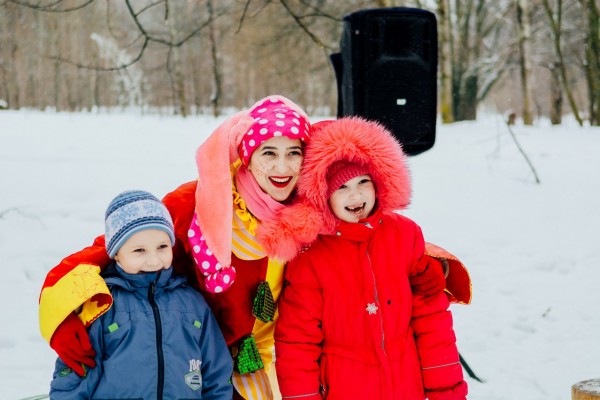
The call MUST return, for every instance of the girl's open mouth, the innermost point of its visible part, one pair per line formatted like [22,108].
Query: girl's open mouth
[357,209]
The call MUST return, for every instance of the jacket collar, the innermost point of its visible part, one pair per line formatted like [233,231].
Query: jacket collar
[115,275]
[362,230]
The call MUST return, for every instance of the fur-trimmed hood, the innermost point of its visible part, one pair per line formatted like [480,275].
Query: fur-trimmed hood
[351,139]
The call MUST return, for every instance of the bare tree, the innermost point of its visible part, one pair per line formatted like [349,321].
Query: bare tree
[524,32]
[592,58]
[445,61]
[555,18]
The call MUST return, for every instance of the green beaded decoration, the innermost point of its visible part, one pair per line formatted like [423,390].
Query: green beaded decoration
[264,305]
[248,359]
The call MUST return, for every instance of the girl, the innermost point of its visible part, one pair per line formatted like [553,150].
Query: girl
[350,326]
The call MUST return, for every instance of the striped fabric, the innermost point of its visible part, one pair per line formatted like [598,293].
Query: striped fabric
[254,386]
[244,244]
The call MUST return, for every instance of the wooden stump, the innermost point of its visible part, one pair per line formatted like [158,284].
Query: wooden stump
[586,390]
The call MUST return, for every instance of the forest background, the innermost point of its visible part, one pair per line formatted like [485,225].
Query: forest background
[532,58]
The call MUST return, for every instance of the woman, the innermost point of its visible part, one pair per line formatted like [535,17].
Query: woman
[247,174]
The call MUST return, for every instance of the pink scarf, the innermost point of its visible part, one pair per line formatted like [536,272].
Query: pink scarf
[259,203]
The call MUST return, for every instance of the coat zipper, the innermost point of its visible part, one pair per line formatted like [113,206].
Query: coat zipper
[377,303]
[159,350]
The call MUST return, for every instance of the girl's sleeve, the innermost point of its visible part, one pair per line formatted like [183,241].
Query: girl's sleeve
[436,345]
[434,337]
[298,334]
[217,364]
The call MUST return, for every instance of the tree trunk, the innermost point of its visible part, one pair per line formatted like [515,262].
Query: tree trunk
[524,32]
[446,111]
[175,68]
[556,99]
[593,61]
[215,96]
[14,99]
[555,24]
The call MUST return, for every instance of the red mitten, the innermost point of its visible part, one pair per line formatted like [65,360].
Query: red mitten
[72,344]
[431,280]
[458,392]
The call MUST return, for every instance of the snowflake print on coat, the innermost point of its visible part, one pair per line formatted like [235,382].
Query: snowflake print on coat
[372,308]
[218,278]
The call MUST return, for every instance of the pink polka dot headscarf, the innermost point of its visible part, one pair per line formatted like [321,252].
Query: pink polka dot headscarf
[272,118]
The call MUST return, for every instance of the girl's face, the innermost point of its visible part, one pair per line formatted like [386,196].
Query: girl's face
[146,251]
[276,164]
[354,200]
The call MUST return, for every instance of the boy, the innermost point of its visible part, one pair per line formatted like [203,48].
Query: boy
[350,326]
[159,339]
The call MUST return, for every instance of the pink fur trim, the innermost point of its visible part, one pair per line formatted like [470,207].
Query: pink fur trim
[356,140]
[294,227]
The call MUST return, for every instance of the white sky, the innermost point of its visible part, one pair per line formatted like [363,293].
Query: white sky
[532,249]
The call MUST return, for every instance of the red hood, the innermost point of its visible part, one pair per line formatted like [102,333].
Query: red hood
[351,139]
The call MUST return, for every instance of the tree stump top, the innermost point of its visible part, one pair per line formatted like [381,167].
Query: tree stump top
[586,390]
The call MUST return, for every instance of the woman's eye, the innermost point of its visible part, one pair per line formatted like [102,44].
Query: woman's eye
[365,180]
[138,250]
[163,246]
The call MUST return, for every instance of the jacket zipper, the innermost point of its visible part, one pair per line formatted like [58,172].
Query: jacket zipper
[159,350]
[377,303]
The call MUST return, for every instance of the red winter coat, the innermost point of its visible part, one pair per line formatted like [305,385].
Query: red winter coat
[349,325]
[348,320]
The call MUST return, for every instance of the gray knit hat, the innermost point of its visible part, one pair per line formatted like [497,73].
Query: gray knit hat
[131,212]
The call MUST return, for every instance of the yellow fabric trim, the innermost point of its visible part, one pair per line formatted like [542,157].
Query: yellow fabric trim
[254,386]
[71,291]
[239,205]
[264,332]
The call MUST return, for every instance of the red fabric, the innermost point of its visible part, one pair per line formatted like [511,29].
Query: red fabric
[72,344]
[232,308]
[325,335]
[431,280]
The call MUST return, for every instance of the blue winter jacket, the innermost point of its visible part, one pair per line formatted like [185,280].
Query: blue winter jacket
[159,340]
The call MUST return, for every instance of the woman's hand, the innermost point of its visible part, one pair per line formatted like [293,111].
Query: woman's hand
[72,344]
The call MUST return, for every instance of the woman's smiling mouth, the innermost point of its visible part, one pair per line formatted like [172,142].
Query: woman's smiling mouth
[279,181]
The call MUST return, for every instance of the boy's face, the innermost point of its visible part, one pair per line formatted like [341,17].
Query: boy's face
[354,200]
[276,164]
[146,251]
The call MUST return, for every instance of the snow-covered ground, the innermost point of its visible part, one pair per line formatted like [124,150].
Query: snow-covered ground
[532,249]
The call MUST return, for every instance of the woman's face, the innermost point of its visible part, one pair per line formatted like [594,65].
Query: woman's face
[276,164]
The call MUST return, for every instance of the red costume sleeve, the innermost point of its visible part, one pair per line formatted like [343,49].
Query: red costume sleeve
[76,282]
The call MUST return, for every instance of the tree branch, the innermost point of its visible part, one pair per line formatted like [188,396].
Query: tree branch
[302,26]
[50,7]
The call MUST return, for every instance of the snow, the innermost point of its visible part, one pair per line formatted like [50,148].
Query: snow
[532,330]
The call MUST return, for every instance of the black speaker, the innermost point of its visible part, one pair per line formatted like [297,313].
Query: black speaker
[387,71]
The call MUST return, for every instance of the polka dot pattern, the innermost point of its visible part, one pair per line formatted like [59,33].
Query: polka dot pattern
[217,278]
[272,118]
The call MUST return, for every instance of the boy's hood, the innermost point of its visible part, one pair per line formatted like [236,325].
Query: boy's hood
[352,139]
